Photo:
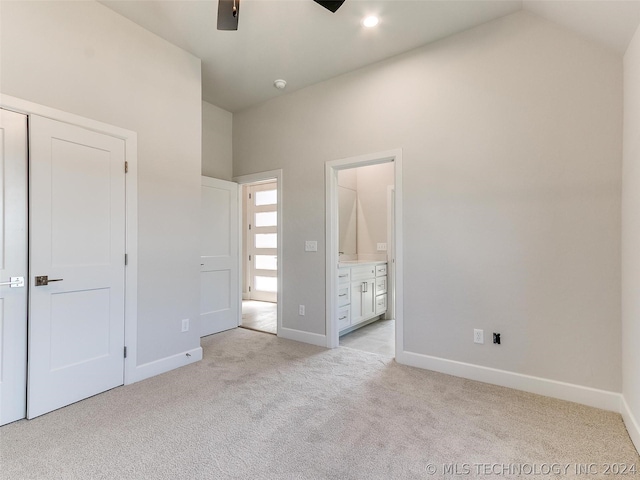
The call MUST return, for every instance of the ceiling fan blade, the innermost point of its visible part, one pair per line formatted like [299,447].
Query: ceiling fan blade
[331,5]
[226,18]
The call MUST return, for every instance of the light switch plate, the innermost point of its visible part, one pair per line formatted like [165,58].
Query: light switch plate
[382,247]
[310,246]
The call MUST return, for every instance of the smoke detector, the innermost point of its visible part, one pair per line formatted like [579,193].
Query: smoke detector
[280,84]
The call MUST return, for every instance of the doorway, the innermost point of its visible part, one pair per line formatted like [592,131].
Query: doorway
[261,228]
[363,240]
[348,292]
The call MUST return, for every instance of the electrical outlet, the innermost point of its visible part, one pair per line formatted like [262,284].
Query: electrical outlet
[310,246]
[496,338]
[185,324]
[300,309]
[478,336]
[382,247]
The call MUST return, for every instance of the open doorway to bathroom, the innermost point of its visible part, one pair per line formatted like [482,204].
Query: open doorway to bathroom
[260,256]
[363,310]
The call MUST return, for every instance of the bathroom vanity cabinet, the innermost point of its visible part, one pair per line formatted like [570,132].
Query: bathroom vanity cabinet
[362,294]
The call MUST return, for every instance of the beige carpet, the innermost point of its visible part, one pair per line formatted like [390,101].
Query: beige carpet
[258,407]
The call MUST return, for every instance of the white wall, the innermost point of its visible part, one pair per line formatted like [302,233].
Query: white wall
[217,155]
[82,58]
[511,136]
[631,238]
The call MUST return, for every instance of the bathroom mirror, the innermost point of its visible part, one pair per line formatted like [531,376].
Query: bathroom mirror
[347,221]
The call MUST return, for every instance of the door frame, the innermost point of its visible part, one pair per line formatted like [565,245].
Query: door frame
[130,139]
[331,229]
[255,178]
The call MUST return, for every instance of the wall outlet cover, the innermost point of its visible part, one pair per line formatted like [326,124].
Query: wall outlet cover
[185,325]
[300,309]
[478,336]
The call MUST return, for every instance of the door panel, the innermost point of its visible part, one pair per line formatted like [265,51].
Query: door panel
[219,277]
[80,220]
[13,263]
[77,238]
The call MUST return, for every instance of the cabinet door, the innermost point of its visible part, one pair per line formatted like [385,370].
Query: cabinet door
[363,296]
[368,300]
[356,302]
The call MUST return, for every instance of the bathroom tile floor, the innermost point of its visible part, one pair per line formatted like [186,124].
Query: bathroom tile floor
[377,337]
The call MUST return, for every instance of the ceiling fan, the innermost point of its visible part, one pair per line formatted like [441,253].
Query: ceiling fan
[229,11]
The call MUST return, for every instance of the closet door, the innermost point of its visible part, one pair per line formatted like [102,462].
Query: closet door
[13,266]
[77,261]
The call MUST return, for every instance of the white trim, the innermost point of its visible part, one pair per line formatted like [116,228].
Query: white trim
[302,336]
[331,238]
[255,178]
[131,151]
[163,365]
[592,397]
[391,277]
[630,422]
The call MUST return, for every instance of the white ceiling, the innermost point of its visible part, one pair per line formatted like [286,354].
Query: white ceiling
[303,43]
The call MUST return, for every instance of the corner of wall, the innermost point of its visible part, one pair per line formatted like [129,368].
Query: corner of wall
[630,422]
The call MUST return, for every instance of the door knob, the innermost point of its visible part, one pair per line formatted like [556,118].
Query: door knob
[43,280]
[14,282]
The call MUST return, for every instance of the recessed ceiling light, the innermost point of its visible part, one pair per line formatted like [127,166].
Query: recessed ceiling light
[370,21]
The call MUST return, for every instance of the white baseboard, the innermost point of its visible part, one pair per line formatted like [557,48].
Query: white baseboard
[592,397]
[163,365]
[630,422]
[304,337]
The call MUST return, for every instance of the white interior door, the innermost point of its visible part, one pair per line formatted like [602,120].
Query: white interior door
[219,277]
[263,242]
[13,266]
[77,242]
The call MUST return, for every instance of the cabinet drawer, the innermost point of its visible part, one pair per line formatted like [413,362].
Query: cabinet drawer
[344,295]
[344,275]
[381,270]
[381,304]
[363,272]
[381,285]
[344,318]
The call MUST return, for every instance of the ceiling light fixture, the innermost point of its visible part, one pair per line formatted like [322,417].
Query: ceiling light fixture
[280,84]
[370,21]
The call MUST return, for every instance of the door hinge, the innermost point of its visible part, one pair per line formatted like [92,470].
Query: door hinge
[126,259]
[125,352]
[126,167]
[249,257]
[249,196]
[249,288]
[249,226]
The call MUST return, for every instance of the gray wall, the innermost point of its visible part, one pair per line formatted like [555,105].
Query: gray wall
[631,230]
[372,203]
[217,155]
[512,145]
[82,58]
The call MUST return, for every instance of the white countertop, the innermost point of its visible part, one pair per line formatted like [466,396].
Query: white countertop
[353,263]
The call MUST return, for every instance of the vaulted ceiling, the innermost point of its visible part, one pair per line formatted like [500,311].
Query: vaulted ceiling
[301,42]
